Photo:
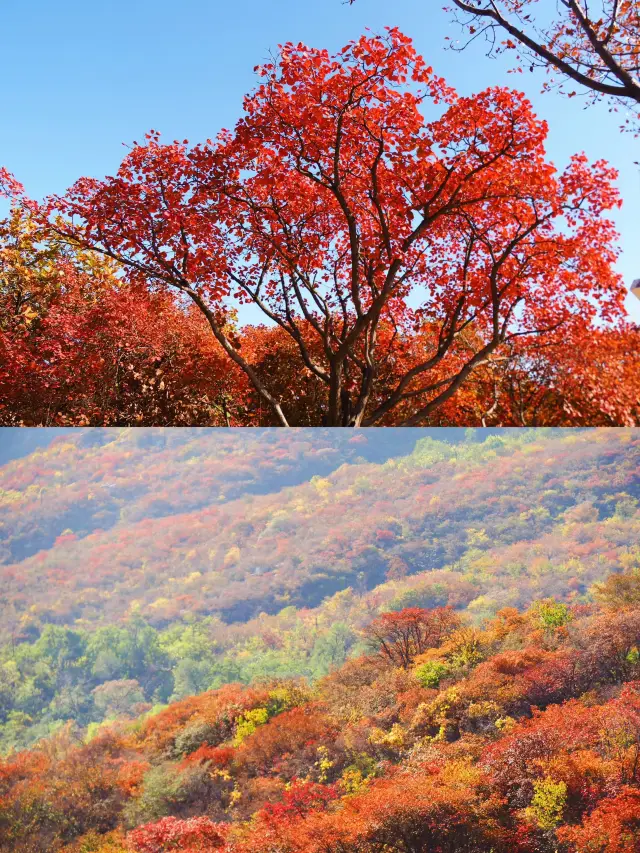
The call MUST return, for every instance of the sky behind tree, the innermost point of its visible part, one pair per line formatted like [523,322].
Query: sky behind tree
[80,79]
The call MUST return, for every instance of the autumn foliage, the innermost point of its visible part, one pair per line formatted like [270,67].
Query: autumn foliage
[402,636]
[196,834]
[249,555]
[585,48]
[528,741]
[208,531]
[97,349]
[414,255]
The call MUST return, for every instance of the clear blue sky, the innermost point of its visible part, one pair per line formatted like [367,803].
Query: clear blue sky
[79,78]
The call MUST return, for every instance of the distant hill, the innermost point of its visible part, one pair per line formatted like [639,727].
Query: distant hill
[89,479]
[182,522]
[16,442]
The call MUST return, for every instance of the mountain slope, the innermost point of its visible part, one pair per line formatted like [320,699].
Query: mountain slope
[185,589]
[93,479]
[521,506]
[521,736]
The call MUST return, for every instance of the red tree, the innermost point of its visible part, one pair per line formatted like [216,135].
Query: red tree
[301,798]
[340,212]
[401,636]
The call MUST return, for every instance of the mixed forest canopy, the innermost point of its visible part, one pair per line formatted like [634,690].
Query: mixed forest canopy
[517,735]
[140,567]
[413,254]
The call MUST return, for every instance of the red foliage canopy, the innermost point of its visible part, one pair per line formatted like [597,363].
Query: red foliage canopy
[354,224]
[186,836]
[401,636]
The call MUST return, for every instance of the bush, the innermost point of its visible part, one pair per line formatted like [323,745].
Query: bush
[194,736]
[430,674]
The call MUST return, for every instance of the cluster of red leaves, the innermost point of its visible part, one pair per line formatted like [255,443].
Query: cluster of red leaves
[297,801]
[217,756]
[195,835]
[612,827]
[404,635]
[81,346]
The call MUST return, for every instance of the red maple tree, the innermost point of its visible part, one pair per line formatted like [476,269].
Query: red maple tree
[401,636]
[356,225]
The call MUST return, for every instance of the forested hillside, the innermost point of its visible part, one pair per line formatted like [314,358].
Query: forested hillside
[141,568]
[183,531]
[90,480]
[521,735]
